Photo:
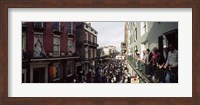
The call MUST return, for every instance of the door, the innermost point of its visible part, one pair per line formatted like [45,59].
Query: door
[39,75]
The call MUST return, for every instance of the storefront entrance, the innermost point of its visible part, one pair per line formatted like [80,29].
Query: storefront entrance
[39,72]
[39,75]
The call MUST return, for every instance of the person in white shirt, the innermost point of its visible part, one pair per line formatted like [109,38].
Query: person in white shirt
[172,63]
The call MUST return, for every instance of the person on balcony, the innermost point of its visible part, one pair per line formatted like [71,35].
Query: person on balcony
[155,59]
[137,58]
[148,57]
[172,64]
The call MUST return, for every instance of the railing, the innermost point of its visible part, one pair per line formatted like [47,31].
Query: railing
[86,42]
[159,74]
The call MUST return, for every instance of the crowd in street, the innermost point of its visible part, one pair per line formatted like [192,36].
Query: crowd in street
[112,71]
[115,72]
[156,61]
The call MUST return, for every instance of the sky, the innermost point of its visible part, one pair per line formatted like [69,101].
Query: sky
[109,33]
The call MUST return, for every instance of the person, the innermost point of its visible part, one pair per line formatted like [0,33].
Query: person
[160,60]
[148,63]
[159,65]
[165,53]
[137,58]
[155,59]
[172,64]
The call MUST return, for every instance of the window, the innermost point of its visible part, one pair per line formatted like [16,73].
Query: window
[38,24]
[91,52]
[70,28]
[86,35]
[57,26]
[91,38]
[95,39]
[56,46]
[95,53]
[69,68]
[24,41]
[38,46]
[131,38]
[70,43]
[86,52]
[134,24]
[135,34]
[71,46]
[144,28]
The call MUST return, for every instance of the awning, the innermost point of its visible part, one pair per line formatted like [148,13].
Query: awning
[50,59]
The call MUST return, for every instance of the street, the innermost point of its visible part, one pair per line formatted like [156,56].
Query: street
[111,71]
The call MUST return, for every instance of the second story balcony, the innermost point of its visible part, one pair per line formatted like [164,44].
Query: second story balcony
[38,26]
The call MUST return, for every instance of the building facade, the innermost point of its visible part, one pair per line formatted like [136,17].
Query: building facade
[123,48]
[86,46]
[48,52]
[143,35]
[106,51]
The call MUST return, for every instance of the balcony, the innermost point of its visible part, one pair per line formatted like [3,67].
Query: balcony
[94,44]
[89,42]
[56,53]
[57,29]
[38,26]
[142,69]
[86,42]
[70,34]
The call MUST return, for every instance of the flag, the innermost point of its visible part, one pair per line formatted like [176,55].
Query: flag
[53,71]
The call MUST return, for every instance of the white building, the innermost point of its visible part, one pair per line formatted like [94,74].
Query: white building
[107,51]
[143,35]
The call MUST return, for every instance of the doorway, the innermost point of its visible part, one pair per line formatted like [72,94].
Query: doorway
[39,75]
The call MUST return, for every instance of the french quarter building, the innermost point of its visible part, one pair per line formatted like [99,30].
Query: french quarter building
[49,52]
[142,35]
[86,47]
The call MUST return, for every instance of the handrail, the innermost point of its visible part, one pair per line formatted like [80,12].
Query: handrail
[160,73]
[144,79]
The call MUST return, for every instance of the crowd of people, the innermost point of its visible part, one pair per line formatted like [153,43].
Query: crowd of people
[155,61]
[113,71]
